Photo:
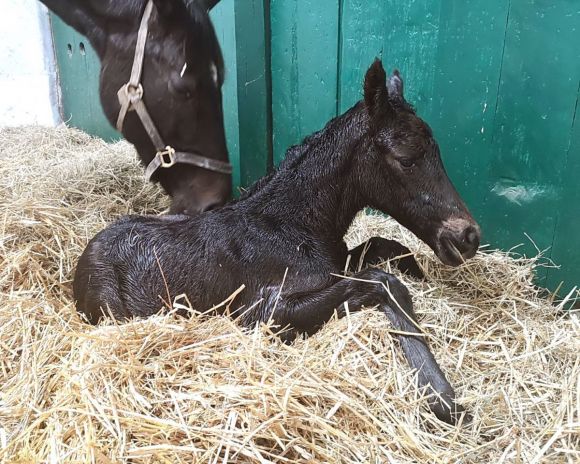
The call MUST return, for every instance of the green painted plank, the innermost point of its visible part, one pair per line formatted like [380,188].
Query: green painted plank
[223,18]
[253,89]
[536,102]
[404,34]
[566,249]
[467,72]
[305,38]
[79,71]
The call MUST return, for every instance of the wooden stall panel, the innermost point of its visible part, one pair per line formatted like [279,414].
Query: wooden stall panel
[304,46]
[531,134]
[467,72]
[566,249]
[223,18]
[498,82]
[79,69]
[403,34]
[253,89]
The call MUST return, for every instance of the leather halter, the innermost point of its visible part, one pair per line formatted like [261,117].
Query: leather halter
[130,98]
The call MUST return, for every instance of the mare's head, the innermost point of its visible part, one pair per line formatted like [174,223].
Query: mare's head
[403,174]
[182,77]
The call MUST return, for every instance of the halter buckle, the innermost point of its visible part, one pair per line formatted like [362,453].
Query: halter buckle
[166,157]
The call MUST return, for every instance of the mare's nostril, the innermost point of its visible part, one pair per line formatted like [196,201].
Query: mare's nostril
[210,207]
[470,236]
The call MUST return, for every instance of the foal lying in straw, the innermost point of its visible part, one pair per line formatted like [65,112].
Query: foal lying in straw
[283,242]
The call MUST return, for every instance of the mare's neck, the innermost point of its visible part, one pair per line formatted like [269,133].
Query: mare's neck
[318,190]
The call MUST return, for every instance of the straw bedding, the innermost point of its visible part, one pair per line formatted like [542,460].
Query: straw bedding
[169,389]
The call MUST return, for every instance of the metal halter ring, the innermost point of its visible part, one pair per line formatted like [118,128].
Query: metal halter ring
[135,93]
[166,157]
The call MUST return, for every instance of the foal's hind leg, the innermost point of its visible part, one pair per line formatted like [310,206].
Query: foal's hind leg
[378,249]
[308,311]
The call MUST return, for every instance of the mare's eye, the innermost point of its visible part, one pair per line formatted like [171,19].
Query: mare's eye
[407,162]
[182,85]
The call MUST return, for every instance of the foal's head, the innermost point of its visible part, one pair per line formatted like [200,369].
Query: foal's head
[404,175]
[182,77]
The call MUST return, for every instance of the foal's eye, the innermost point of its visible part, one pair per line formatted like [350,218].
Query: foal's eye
[407,162]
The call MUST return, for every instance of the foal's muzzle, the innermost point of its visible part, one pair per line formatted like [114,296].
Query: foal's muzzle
[457,241]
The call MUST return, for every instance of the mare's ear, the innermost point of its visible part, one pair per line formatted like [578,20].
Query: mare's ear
[164,8]
[172,9]
[395,86]
[168,9]
[208,4]
[376,93]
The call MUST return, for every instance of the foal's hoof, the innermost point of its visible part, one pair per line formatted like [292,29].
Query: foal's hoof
[447,410]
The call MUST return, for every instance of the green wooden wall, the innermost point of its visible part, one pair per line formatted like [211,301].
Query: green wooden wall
[79,69]
[498,80]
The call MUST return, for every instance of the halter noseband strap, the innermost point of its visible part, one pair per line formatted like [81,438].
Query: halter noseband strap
[130,98]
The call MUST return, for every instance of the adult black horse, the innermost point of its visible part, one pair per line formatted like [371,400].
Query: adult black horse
[284,240]
[160,85]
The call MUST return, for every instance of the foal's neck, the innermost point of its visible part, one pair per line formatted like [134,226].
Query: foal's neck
[318,191]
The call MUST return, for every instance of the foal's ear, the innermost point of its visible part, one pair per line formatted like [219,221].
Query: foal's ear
[395,86]
[376,93]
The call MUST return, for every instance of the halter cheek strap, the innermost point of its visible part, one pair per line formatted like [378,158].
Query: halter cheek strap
[169,157]
[130,98]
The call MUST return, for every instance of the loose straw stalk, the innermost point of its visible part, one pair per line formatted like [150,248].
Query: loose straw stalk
[170,389]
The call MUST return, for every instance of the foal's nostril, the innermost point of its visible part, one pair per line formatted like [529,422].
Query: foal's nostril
[470,236]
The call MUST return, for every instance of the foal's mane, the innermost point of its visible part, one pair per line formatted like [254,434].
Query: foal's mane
[297,153]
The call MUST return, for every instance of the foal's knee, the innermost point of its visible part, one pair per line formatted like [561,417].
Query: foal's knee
[392,286]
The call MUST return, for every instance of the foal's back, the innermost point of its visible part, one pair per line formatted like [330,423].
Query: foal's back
[207,257]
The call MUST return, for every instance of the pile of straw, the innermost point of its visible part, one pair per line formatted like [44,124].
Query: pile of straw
[169,389]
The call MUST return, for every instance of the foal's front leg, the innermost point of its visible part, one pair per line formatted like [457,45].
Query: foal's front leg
[306,312]
[377,249]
